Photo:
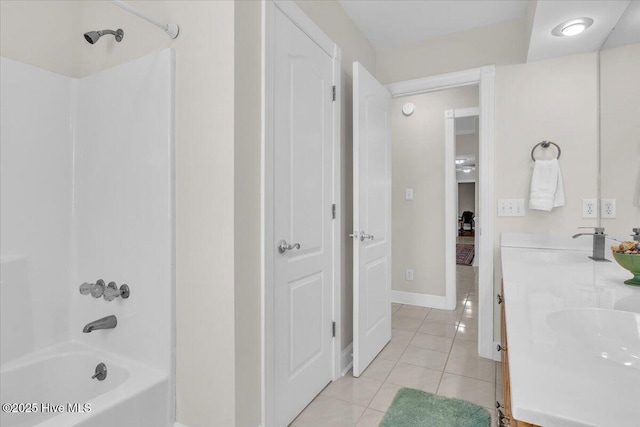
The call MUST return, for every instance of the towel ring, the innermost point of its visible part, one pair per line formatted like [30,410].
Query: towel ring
[545,144]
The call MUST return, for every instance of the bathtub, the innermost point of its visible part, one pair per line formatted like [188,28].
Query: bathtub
[55,389]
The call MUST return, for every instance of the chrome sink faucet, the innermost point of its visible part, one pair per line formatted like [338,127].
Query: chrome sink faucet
[598,243]
[108,322]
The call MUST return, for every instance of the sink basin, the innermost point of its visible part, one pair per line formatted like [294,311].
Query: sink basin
[606,334]
[556,258]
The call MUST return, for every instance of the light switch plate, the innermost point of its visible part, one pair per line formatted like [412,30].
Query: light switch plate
[408,193]
[510,207]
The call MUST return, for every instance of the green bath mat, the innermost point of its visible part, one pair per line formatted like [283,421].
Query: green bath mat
[415,408]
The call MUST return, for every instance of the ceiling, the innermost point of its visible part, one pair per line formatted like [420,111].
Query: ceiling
[394,23]
[548,14]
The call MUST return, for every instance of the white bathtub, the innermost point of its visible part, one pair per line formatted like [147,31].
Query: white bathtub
[132,395]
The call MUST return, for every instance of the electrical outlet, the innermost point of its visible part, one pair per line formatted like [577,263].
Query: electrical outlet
[608,208]
[408,193]
[589,208]
[408,274]
[511,207]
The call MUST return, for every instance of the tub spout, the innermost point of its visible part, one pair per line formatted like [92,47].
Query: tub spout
[108,322]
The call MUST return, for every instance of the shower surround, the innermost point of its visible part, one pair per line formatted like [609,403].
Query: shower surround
[88,193]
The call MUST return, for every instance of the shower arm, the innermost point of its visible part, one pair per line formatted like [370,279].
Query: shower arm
[172,30]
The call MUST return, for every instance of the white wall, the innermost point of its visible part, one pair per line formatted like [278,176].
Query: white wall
[499,44]
[43,33]
[418,163]
[555,100]
[36,199]
[247,226]
[123,206]
[620,130]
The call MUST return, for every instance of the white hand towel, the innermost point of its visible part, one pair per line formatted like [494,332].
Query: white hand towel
[547,188]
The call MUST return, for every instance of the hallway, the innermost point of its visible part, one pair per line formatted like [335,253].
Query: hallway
[430,349]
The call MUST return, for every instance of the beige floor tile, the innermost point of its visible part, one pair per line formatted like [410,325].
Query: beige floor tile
[401,337]
[464,348]
[467,333]
[406,322]
[469,323]
[425,358]
[450,318]
[359,391]
[457,311]
[370,418]
[395,307]
[475,391]
[439,329]
[329,412]
[416,309]
[379,369]
[431,342]
[415,377]
[392,351]
[470,313]
[382,400]
[474,367]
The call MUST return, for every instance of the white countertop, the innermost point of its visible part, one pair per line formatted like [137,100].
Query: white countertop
[566,369]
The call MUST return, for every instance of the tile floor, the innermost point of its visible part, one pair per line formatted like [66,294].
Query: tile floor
[431,350]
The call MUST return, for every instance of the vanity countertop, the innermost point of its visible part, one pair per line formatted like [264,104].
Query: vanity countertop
[573,330]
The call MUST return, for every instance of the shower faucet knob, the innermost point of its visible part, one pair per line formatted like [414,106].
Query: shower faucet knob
[85,288]
[98,289]
[111,292]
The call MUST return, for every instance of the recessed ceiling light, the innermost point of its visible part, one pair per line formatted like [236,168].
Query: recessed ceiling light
[572,27]
[459,161]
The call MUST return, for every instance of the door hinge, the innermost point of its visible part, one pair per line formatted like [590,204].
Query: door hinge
[333,92]
[333,211]
[333,329]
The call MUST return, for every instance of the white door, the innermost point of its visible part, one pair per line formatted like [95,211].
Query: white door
[371,218]
[303,230]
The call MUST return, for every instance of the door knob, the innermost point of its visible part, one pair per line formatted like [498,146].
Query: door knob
[283,246]
[353,235]
[364,235]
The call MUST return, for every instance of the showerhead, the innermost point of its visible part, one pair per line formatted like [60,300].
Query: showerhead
[93,36]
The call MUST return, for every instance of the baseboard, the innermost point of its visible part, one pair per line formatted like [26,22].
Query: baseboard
[177,424]
[421,300]
[347,359]
[496,354]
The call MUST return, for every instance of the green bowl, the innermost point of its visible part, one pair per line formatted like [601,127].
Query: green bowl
[632,263]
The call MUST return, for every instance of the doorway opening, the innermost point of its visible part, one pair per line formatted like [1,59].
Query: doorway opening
[483,78]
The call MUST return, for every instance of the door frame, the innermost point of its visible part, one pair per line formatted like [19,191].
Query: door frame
[302,21]
[484,78]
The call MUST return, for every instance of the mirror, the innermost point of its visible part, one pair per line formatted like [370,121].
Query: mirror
[619,185]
